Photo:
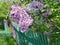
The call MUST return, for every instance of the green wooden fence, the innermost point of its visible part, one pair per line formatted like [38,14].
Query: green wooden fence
[33,38]
[30,37]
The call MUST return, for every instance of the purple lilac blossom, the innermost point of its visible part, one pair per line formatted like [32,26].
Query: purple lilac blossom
[38,4]
[32,7]
[21,17]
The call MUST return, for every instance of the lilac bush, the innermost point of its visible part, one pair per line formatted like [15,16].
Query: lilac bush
[24,19]
[33,11]
[20,16]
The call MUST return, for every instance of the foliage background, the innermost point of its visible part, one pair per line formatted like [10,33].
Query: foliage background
[53,5]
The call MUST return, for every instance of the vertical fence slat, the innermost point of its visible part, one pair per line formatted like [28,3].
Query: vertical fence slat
[6,26]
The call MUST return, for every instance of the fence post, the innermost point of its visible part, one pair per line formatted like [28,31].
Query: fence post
[6,26]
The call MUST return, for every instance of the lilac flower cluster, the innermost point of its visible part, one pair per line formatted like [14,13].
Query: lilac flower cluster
[36,3]
[21,17]
[33,6]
